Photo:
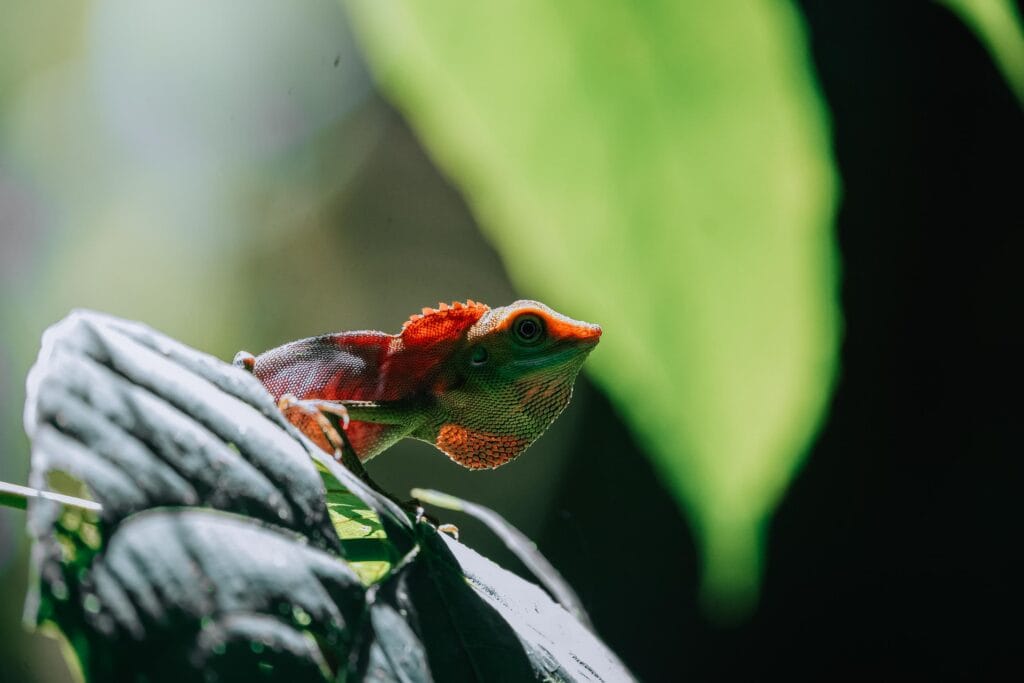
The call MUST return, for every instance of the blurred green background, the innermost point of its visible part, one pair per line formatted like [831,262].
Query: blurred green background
[240,174]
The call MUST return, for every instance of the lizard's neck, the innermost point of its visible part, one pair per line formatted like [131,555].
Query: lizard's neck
[420,373]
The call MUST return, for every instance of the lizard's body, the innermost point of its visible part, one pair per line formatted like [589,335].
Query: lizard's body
[479,383]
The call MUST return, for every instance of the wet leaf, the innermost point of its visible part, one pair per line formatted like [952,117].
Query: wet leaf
[162,581]
[214,549]
[559,646]
[176,592]
[145,422]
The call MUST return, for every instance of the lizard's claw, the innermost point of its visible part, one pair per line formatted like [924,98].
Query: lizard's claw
[244,360]
[315,409]
[334,409]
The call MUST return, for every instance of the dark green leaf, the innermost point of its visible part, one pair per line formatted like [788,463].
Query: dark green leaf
[127,412]
[213,550]
[464,638]
[176,592]
[559,646]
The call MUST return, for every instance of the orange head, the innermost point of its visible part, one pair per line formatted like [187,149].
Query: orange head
[507,373]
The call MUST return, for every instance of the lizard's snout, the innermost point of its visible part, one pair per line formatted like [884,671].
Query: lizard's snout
[587,332]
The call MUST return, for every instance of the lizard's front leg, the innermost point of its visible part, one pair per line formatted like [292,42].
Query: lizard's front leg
[310,416]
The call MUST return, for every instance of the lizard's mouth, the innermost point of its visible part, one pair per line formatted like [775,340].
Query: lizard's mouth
[585,333]
[575,351]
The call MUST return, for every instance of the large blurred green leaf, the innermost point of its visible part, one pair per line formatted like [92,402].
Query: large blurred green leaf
[997,24]
[661,168]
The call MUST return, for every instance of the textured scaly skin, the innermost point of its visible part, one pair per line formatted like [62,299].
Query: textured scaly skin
[467,378]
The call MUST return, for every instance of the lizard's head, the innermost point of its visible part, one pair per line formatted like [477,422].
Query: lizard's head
[508,378]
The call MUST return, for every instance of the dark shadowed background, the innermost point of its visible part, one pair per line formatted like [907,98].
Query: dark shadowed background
[133,181]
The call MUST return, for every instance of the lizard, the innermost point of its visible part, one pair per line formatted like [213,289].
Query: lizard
[479,383]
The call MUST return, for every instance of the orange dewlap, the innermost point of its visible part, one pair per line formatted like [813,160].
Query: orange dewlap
[478,450]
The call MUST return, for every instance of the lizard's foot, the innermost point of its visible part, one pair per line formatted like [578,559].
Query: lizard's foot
[449,529]
[317,410]
[302,412]
[311,417]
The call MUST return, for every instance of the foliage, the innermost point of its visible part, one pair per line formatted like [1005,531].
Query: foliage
[221,548]
[997,24]
[661,168]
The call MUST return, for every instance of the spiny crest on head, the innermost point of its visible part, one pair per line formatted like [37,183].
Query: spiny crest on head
[447,321]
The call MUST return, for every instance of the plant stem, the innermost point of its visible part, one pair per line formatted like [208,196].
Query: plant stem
[16,496]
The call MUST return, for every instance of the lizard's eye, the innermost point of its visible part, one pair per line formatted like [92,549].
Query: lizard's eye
[528,329]
[479,356]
